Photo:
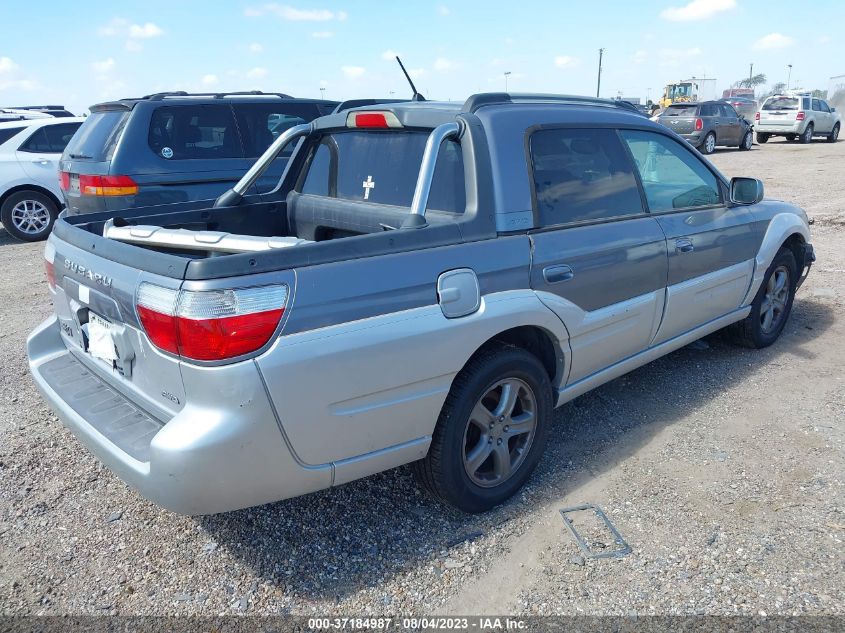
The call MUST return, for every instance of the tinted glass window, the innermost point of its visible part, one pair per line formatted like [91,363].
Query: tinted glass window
[194,132]
[805,103]
[672,176]
[816,105]
[781,103]
[8,133]
[98,136]
[261,124]
[382,168]
[825,107]
[681,110]
[709,109]
[582,175]
[728,111]
[50,139]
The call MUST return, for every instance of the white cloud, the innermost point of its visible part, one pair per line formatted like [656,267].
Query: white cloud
[353,72]
[209,80]
[115,27]
[103,66]
[255,47]
[674,56]
[9,79]
[697,10]
[293,14]
[133,46]
[7,65]
[565,61]
[144,31]
[442,65]
[773,40]
[322,35]
[443,10]
[256,73]
[640,56]
[416,73]
[390,55]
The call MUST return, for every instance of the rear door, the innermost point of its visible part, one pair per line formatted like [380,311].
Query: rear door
[822,118]
[598,261]
[40,153]
[711,246]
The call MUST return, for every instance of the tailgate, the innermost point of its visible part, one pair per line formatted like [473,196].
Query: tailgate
[679,124]
[95,304]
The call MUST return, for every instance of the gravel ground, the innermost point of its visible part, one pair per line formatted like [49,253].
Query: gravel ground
[722,467]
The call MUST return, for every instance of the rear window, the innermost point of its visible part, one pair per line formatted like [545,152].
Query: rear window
[781,103]
[194,132]
[98,136]
[382,168]
[8,133]
[683,110]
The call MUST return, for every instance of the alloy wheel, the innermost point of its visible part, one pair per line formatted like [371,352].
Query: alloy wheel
[30,217]
[710,143]
[773,307]
[499,432]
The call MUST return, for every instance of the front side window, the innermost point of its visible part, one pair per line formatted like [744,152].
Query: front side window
[50,139]
[382,168]
[825,107]
[582,175]
[672,176]
[728,111]
[194,132]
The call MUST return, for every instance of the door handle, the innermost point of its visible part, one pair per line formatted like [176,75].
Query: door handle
[41,161]
[557,274]
[684,245]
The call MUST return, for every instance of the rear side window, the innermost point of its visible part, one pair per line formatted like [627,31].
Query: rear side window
[672,176]
[261,124]
[194,132]
[98,136]
[582,175]
[8,133]
[382,168]
[50,139]
[781,103]
[682,110]
[709,109]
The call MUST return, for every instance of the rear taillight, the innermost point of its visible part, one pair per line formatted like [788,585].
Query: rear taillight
[49,266]
[64,180]
[799,116]
[107,185]
[699,124]
[756,116]
[210,324]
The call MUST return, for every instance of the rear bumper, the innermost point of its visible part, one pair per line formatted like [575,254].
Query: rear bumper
[693,138]
[223,451]
[796,127]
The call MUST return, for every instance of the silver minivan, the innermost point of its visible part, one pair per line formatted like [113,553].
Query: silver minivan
[797,116]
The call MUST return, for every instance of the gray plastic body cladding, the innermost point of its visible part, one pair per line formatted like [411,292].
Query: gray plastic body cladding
[222,451]
[340,292]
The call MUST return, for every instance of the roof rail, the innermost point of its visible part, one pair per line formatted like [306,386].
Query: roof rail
[158,96]
[477,101]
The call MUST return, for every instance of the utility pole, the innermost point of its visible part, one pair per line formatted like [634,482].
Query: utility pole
[322,92]
[598,83]
[751,71]
[788,76]
[507,74]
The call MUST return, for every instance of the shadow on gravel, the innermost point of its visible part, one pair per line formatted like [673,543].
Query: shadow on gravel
[5,238]
[331,543]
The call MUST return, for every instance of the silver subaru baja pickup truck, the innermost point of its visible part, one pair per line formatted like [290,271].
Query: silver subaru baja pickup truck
[425,285]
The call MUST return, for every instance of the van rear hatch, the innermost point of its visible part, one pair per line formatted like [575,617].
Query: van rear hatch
[780,111]
[680,118]
[85,164]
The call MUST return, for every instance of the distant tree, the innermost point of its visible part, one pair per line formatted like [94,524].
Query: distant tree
[778,88]
[820,94]
[751,82]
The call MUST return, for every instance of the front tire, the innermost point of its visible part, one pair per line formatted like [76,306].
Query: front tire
[807,136]
[708,146]
[834,134]
[763,138]
[747,142]
[29,215]
[773,303]
[491,431]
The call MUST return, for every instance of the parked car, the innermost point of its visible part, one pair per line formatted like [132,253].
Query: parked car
[797,116]
[708,124]
[58,111]
[745,106]
[176,147]
[427,282]
[30,198]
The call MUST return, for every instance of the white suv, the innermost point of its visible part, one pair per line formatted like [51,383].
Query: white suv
[30,197]
[796,116]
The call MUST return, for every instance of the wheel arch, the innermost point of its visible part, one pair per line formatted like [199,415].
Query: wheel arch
[31,187]
[536,340]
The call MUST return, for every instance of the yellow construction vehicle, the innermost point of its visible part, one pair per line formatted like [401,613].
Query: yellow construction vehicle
[679,92]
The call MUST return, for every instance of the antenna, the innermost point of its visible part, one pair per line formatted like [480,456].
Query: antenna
[417,96]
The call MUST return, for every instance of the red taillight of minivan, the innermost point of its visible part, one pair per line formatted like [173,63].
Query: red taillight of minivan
[756,116]
[799,116]
[699,124]
[107,185]
[210,325]
[64,180]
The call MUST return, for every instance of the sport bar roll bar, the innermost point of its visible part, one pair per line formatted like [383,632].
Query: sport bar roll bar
[234,195]
[442,132]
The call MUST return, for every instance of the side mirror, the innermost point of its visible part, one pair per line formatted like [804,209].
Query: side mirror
[833,109]
[746,190]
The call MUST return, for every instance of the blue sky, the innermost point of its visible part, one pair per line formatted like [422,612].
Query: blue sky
[93,51]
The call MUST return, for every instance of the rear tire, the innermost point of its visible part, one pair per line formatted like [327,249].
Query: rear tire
[762,138]
[790,137]
[464,467]
[807,136]
[29,215]
[772,305]
[747,142]
[708,145]
[834,134]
